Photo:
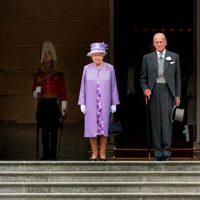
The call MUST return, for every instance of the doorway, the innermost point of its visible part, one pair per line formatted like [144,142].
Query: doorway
[134,27]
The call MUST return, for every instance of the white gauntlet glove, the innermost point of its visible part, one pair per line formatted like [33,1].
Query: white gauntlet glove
[37,90]
[63,107]
[113,108]
[83,109]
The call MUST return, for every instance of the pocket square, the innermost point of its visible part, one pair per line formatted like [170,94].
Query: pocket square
[172,62]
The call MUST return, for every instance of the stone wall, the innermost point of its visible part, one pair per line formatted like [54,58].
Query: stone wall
[71,24]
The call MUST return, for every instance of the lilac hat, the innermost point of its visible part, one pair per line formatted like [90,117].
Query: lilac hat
[98,47]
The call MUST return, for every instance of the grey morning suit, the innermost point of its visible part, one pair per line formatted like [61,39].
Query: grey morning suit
[164,81]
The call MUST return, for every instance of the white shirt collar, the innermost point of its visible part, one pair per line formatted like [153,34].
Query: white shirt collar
[163,53]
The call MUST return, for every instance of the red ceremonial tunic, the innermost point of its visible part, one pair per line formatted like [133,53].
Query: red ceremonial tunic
[52,83]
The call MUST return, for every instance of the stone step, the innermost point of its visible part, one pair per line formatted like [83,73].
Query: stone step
[99,166]
[109,180]
[100,196]
[100,176]
[100,187]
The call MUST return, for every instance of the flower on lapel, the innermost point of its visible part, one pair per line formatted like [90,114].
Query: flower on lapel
[168,58]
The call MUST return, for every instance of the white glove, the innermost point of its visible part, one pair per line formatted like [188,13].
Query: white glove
[113,108]
[83,109]
[63,107]
[37,90]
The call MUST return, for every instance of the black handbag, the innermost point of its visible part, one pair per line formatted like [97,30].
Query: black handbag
[115,128]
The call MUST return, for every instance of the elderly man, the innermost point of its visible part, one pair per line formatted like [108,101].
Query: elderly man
[160,81]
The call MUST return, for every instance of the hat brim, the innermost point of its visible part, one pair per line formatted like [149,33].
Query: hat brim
[93,52]
[177,114]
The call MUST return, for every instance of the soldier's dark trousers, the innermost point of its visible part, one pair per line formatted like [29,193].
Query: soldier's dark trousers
[49,143]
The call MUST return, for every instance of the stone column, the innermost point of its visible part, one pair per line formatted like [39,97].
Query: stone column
[111,32]
[198,66]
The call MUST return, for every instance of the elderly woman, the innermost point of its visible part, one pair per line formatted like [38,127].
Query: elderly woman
[98,98]
[49,89]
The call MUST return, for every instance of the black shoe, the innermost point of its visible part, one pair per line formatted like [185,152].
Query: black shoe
[53,159]
[93,159]
[157,159]
[44,158]
[165,158]
[103,159]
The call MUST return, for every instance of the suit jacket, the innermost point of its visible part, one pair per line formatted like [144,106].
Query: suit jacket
[172,72]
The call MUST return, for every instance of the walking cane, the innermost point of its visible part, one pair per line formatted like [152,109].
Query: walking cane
[148,124]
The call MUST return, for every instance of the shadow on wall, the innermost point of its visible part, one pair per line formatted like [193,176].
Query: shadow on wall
[18,142]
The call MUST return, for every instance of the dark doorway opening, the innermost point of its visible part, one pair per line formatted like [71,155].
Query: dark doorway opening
[134,26]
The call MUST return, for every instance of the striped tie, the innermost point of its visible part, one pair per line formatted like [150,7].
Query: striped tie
[161,56]
[100,130]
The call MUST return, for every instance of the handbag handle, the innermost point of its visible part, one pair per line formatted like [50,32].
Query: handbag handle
[112,117]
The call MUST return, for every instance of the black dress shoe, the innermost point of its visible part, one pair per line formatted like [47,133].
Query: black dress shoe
[103,159]
[166,158]
[44,158]
[93,159]
[157,159]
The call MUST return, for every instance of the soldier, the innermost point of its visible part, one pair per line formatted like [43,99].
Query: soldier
[49,89]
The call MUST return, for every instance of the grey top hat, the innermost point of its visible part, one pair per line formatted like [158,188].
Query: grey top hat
[177,114]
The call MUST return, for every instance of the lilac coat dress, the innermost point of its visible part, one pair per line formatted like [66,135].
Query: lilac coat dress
[87,96]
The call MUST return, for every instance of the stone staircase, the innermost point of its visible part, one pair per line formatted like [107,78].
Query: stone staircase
[110,180]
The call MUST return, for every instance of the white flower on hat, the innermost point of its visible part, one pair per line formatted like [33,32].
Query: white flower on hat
[168,58]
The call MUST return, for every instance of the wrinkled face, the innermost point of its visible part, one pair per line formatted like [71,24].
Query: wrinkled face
[159,42]
[97,58]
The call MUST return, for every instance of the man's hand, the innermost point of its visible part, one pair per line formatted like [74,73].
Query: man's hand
[177,101]
[147,94]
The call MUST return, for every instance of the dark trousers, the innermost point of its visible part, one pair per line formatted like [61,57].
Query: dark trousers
[161,104]
[48,115]
[49,143]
